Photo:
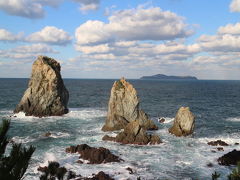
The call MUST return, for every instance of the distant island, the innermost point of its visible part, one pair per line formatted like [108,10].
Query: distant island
[165,77]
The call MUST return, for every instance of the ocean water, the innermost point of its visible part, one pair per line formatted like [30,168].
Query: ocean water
[216,105]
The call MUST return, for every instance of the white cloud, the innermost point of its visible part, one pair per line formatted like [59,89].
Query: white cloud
[92,32]
[87,5]
[210,56]
[103,48]
[233,29]
[32,9]
[35,9]
[8,36]
[50,35]
[52,3]
[223,43]
[26,51]
[235,6]
[134,24]
[34,48]
[226,40]
[138,50]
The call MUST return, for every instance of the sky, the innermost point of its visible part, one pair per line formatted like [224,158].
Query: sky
[112,39]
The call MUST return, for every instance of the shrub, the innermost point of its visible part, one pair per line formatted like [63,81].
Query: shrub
[235,175]
[14,166]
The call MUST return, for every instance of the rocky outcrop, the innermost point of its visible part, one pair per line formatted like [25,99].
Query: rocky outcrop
[94,155]
[230,158]
[99,176]
[46,94]
[183,123]
[134,133]
[54,171]
[217,143]
[123,107]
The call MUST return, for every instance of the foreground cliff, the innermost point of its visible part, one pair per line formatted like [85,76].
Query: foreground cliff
[46,94]
[123,108]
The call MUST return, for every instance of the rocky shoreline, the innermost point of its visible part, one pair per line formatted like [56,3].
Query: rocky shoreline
[47,95]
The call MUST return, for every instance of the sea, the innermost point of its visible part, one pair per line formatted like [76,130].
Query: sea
[215,104]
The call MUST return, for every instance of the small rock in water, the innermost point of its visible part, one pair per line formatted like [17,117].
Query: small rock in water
[161,120]
[184,122]
[236,144]
[94,155]
[217,143]
[42,169]
[108,138]
[54,169]
[220,149]
[100,176]
[79,161]
[130,170]
[230,158]
[47,134]
[58,172]
[209,165]
[213,151]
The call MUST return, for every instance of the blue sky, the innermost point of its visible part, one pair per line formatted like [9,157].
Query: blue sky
[111,39]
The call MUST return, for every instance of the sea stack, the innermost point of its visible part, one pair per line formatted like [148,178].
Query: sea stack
[46,94]
[183,123]
[123,107]
[134,134]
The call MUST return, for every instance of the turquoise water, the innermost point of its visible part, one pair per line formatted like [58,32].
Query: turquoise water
[216,105]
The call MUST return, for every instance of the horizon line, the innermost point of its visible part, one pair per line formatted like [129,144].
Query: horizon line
[131,79]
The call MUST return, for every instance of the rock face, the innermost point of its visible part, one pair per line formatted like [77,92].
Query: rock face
[183,123]
[93,155]
[123,107]
[230,158]
[46,94]
[134,133]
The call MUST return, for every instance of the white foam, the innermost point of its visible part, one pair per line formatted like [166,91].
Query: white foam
[149,162]
[59,134]
[22,117]
[236,119]
[85,113]
[23,140]
[231,139]
[47,158]
[168,120]
[76,113]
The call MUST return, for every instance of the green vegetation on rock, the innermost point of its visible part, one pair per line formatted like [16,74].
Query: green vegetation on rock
[119,85]
[235,175]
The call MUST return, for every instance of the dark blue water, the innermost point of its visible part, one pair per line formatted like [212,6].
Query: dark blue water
[216,105]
